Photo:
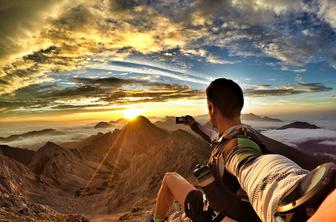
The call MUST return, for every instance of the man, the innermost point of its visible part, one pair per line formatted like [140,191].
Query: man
[265,178]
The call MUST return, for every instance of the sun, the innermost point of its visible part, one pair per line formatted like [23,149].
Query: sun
[132,113]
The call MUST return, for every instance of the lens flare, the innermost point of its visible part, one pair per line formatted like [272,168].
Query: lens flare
[132,113]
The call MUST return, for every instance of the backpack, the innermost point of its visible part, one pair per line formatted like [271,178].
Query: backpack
[225,194]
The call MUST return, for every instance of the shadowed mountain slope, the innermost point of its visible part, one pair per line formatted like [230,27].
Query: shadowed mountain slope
[64,167]
[22,155]
[178,152]
[16,184]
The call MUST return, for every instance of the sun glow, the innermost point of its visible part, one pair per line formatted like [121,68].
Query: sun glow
[132,113]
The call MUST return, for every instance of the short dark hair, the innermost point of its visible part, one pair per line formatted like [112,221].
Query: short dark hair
[227,96]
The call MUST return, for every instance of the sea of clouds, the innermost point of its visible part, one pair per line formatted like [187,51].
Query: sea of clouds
[293,137]
[65,135]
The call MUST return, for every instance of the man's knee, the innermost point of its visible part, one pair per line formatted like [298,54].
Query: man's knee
[177,185]
[170,176]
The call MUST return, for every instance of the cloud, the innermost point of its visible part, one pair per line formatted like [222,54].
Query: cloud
[35,43]
[124,92]
[204,55]
[93,94]
[299,88]
[110,28]
[275,6]
[329,143]
[19,23]
[294,137]
[288,31]
[216,60]
[64,136]
[327,11]
[109,82]
[280,52]
[150,69]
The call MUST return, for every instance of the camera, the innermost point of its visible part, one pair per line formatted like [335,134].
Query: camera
[203,175]
[181,120]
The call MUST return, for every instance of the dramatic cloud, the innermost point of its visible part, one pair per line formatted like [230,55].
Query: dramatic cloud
[62,40]
[268,90]
[150,69]
[327,11]
[43,43]
[92,94]
[20,21]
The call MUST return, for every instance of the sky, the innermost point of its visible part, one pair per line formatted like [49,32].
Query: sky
[80,60]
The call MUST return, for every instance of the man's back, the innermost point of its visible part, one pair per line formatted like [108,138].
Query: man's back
[264,177]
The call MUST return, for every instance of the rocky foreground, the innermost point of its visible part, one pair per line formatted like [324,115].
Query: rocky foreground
[15,204]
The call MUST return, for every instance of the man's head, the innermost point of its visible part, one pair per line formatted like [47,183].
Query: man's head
[225,98]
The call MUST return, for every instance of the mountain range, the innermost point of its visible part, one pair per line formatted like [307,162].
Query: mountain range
[29,134]
[253,117]
[101,174]
[114,173]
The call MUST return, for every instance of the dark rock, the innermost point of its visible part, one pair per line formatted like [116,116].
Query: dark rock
[135,209]
[24,211]
[102,125]
[299,125]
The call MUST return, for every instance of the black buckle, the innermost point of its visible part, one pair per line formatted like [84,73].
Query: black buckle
[304,198]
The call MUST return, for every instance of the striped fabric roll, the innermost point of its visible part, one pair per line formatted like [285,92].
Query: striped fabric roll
[265,179]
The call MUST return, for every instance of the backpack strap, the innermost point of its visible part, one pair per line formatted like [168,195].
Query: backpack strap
[249,133]
[239,206]
[225,179]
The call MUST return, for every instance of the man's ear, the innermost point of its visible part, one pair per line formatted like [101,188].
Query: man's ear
[211,107]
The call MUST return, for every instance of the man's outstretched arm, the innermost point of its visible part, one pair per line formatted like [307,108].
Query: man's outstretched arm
[206,133]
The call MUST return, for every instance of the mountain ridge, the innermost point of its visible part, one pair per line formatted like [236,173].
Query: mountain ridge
[102,124]
[29,134]
[22,155]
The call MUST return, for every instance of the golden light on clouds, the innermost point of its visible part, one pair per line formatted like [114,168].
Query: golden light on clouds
[97,59]
[132,113]
[141,41]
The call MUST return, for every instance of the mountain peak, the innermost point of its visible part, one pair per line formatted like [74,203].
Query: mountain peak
[300,125]
[102,125]
[50,143]
[50,146]
[140,121]
[252,114]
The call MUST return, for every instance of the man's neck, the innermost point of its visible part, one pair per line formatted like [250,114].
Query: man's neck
[223,124]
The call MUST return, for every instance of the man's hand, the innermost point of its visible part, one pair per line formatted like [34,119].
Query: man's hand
[189,120]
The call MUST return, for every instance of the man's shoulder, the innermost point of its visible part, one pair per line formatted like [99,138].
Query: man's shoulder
[241,143]
[244,136]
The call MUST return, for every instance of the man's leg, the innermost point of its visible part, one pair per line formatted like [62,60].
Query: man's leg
[173,188]
[326,211]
